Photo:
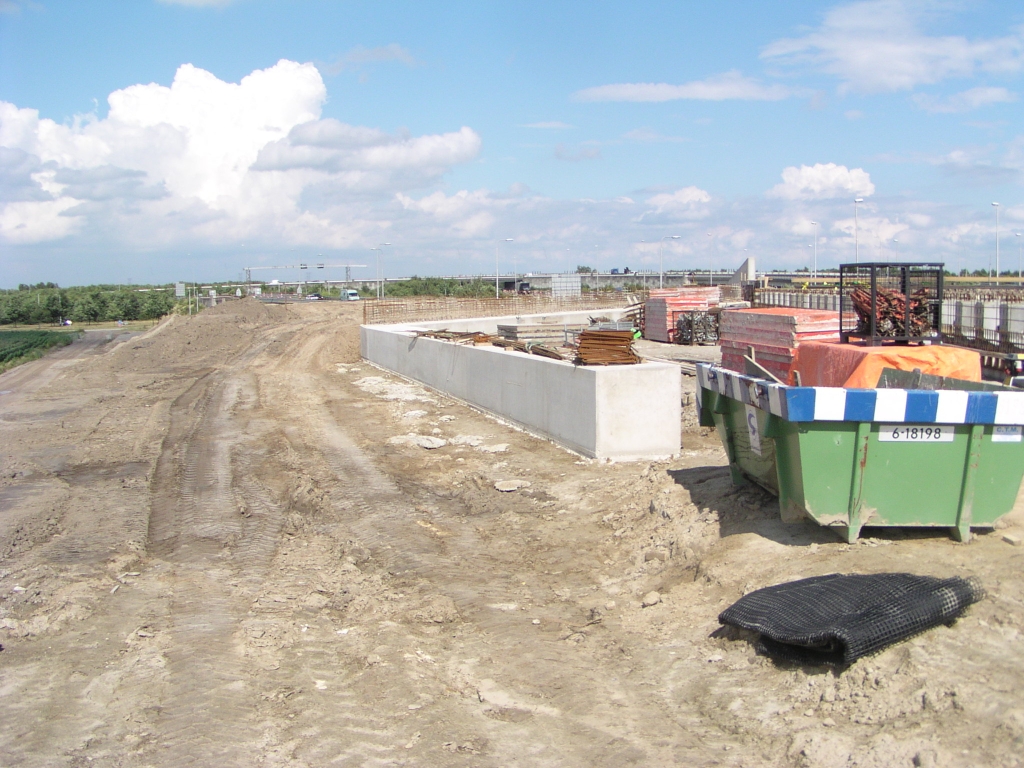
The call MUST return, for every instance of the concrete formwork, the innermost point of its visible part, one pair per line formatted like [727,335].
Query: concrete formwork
[620,412]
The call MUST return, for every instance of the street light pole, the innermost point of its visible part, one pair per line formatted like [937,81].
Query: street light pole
[856,234]
[711,266]
[815,250]
[641,261]
[497,249]
[996,206]
[380,272]
[1018,260]
[661,257]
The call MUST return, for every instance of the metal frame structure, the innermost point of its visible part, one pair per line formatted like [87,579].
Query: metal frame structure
[909,273]
[348,270]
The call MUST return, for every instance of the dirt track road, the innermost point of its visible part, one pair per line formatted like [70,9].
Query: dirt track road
[221,543]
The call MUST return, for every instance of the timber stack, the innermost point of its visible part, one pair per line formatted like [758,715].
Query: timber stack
[606,348]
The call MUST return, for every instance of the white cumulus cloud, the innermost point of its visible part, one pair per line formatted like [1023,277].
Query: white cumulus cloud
[880,45]
[972,98]
[729,85]
[683,205]
[822,181]
[466,214]
[33,222]
[203,158]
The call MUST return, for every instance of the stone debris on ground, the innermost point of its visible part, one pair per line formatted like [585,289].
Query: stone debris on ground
[507,486]
[430,442]
[651,598]
[496,448]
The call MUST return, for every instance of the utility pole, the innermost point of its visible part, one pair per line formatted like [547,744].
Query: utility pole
[1018,260]
[661,258]
[815,250]
[711,265]
[996,206]
[856,233]
[497,250]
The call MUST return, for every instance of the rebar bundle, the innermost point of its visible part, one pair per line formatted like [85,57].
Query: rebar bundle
[891,306]
[530,347]
[697,328]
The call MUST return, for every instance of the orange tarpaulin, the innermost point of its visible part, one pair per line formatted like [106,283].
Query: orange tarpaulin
[859,367]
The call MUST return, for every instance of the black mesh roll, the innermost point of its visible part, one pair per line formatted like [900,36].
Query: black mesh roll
[837,619]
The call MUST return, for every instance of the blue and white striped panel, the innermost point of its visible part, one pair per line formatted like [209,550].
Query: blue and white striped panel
[756,392]
[892,406]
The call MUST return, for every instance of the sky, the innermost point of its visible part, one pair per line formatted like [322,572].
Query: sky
[161,140]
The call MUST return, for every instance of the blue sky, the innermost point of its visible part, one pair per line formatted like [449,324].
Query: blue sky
[161,140]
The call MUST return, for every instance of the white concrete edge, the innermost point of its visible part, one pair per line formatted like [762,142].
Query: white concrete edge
[502,420]
[615,423]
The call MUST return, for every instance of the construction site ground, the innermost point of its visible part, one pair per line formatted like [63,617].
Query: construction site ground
[227,541]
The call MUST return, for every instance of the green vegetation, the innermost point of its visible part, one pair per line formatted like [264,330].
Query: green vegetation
[436,286]
[21,346]
[46,303]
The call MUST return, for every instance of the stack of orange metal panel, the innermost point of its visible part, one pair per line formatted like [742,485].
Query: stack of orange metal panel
[774,333]
[664,306]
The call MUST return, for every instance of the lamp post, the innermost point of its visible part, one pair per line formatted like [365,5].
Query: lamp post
[711,266]
[380,272]
[996,206]
[856,227]
[377,286]
[815,273]
[1018,260]
[896,244]
[661,257]
[641,261]
[497,250]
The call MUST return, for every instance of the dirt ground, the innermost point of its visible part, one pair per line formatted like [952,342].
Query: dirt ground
[227,541]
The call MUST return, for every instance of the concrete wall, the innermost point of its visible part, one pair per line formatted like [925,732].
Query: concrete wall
[620,412]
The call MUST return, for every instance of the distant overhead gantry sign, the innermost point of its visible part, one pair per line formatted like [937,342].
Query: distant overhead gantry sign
[348,269]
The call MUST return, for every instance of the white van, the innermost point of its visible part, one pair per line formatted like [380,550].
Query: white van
[350,295]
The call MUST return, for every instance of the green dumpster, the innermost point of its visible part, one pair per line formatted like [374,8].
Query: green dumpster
[847,458]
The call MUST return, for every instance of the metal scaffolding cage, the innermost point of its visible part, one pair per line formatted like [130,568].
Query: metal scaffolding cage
[897,303]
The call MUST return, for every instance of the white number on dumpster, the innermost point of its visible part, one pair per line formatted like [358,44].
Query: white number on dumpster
[915,433]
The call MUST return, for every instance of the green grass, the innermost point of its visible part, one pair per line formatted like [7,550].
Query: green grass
[17,347]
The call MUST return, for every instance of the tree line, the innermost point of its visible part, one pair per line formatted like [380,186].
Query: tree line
[47,303]
[437,286]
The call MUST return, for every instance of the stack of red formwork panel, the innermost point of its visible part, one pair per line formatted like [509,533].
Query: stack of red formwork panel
[775,334]
[664,306]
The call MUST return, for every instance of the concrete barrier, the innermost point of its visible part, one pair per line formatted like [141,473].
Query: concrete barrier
[618,412]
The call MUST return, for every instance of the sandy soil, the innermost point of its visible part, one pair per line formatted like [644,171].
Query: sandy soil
[227,541]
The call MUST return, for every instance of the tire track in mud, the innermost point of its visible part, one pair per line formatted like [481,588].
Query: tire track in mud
[588,716]
[217,557]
